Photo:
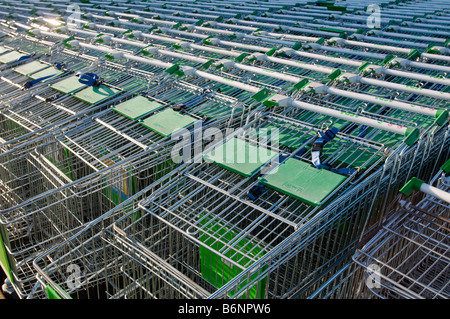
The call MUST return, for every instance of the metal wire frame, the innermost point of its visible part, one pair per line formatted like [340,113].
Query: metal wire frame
[338,286]
[267,221]
[422,78]
[34,110]
[75,181]
[405,96]
[414,40]
[394,213]
[391,141]
[383,91]
[189,204]
[32,113]
[411,248]
[409,41]
[309,251]
[379,49]
[104,268]
[358,53]
[24,43]
[351,280]
[326,60]
[436,153]
[168,43]
[427,156]
[414,28]
[20,172]
[12,108]
[12,82]
[250,43]
[195,59]
[338,212]
[433,86]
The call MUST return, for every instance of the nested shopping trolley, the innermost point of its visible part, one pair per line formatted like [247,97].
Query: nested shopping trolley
[15,54]
[28,119]
[38,118]
[109,156]
[408,254]
[27,115]
[216,229]
[373,125]
[370,186]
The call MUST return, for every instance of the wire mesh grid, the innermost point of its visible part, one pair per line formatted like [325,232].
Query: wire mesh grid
[239,240]
[72,169]
[102,162]
[410,251]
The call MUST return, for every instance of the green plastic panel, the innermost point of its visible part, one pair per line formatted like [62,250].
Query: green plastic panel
[240,156]
[4,260]
[68,85]
[10,56]
[27,69]
[218,271]
[51,293]
[46,72]
[95,94]
[289,135]
[136,107]
[3,50]
[303,181]
[355,158]
[167,122]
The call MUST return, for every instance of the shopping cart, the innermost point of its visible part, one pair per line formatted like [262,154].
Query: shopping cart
[408,255]
[109,156]
[99,190]
[20,174]
[15,65]
[211,242]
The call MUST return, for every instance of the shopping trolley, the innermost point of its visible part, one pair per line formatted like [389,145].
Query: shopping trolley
[15,57]
[98,267]
[408,255]
[76,163]
[106,158]
[20,175]
[212,243]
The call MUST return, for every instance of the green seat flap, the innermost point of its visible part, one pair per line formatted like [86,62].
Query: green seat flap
[303,181]
[68,85]
[46,72]
[240,156]
[29,68]
[136,107]
[10,57]
[95,94]
[167,122]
